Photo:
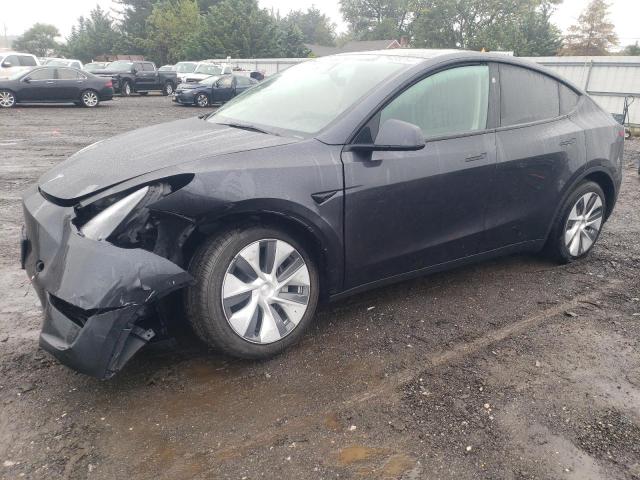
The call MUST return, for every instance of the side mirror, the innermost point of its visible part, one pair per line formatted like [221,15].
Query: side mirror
[397,136]
[7,64]
[27,80]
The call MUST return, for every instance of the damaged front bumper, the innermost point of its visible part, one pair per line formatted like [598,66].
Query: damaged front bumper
[95,296]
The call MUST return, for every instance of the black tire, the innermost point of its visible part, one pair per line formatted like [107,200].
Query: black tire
[201,100]
[125,89]
[89,99]
[143,93]
[203,301]
[556,247]
[7,99]
[167,89]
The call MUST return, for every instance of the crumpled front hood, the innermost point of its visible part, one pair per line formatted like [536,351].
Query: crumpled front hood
[120,158]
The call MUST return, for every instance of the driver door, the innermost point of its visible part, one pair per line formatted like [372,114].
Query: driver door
[39,85]
[224,89]
[408,211]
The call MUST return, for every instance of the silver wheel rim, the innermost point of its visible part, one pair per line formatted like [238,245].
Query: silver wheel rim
[90,99]
[266,291]
[169,89]
[202,100]
[7,99]
[127,88]
[583,224]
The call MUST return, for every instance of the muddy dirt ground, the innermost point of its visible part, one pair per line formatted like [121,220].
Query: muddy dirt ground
[512,369]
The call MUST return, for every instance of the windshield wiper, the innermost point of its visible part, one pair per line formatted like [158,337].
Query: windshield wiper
[251,128]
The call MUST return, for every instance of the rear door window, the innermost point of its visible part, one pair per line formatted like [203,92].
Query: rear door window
[147,67]
[68,74]
[27,61]
[527,96]
[450,102]
[243,81]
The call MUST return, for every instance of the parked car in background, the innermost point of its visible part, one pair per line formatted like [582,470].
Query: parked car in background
[183,68]
[167,68]
[55,85]
[212,90]
[64,62]
[13,62]
[338,175]
[205,69]
[138,77]
[94,66]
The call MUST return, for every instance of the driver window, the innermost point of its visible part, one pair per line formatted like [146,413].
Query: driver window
[225,82]
[42,74]
[446,103]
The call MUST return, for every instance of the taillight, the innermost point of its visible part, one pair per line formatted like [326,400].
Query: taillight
[109,84]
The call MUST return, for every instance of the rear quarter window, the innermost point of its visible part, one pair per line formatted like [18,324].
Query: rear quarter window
[527,96]
[568,99]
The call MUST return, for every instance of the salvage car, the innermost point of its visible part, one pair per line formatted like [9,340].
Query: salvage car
[138,77]
[55,85]
[64,62]
[206,70]
[212,90]
[335,176]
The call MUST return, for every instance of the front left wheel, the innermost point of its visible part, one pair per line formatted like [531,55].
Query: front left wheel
[256,292]
[7,99]
[202,100]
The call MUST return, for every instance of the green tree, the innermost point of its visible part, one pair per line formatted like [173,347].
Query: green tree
[632,49]
[240,28]
[522,26]
[40,40]
[93,36]
[594,34]
[316,27]
[133,24]
[291,42]
[377,19]
[171,30]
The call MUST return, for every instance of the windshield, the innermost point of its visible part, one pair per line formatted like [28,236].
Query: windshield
[208,69]
[307,97]
[119,66]
[209,80]
[185,67]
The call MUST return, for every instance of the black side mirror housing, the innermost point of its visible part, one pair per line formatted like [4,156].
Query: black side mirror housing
[7,64]
[27,80]
[396,136]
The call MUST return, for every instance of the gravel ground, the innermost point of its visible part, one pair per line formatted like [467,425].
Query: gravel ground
[511,369]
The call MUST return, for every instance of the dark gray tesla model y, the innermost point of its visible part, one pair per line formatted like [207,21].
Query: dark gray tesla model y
[337,175]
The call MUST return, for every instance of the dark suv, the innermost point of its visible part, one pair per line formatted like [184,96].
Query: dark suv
[335,176]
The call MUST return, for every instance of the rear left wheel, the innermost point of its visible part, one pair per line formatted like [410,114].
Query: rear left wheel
[578,225]
[7,99]
[167,89]
[256,292]
[89,99]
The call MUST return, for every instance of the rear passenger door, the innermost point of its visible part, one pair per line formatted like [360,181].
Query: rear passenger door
[70,83]
[538,148]
[242,83]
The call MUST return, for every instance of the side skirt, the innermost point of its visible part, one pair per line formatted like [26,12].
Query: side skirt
[529,246]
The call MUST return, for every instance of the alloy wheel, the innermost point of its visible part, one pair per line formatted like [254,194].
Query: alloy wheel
[266,291]
[127,89]
[202,100]
[584,223]
[7,99]
[168,89]
[90,99]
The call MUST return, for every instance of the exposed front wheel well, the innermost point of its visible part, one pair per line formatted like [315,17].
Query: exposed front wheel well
[296,229]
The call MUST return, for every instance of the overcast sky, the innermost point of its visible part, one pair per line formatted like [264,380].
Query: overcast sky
[17,16]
